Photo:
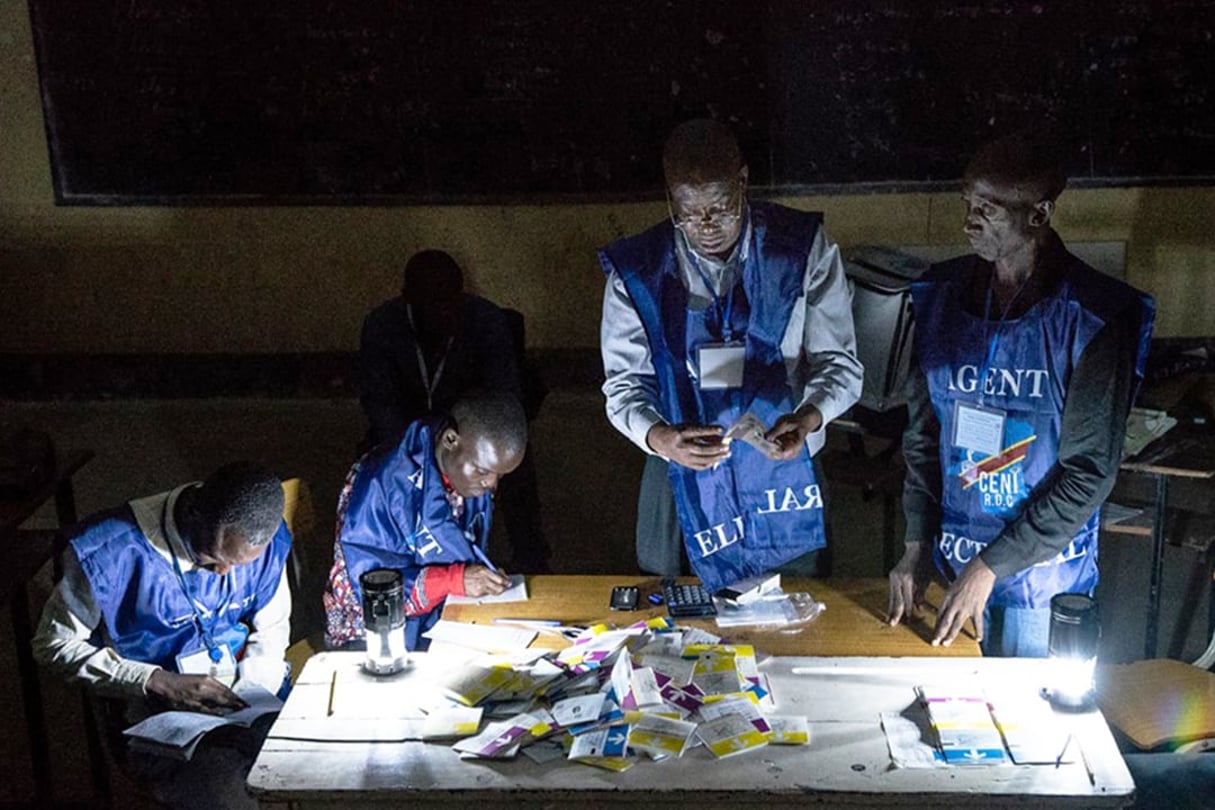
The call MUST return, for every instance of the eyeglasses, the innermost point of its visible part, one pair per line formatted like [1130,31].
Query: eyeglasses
[714,217]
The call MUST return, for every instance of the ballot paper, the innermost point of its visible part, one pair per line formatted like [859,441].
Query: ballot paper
[788,729]
[661,736]
[964,726]
[730,734]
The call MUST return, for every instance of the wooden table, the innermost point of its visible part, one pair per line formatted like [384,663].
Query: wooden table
[854,622]
[25,552]
[1177,454]
[847,763]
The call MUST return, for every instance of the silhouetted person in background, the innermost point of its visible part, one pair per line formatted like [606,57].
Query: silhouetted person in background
[434,344]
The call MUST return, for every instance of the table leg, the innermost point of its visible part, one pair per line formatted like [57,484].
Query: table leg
[1158,530]
[31,697]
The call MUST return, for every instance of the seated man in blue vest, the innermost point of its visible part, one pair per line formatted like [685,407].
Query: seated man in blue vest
[168,601]
[727,308]
[423,507]
[434,343]
[1028,360]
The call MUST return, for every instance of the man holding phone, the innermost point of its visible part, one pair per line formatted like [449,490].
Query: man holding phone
[728,308]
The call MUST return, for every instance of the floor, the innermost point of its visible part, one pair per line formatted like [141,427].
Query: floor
[587,476]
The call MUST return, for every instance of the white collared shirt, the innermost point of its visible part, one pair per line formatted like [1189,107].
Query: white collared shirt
[819,345]
[64,638]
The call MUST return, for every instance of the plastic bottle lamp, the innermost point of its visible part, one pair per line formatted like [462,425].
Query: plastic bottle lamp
[1075,631]
[383,620]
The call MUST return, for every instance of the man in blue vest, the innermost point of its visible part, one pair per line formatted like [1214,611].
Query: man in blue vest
[169,601]
[423,506]
[1028,360]
[726,309]
[420,352]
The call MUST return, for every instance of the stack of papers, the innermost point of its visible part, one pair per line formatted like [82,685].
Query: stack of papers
[177,734]
[613,698]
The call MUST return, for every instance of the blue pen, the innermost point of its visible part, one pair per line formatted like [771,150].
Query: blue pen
[483,558]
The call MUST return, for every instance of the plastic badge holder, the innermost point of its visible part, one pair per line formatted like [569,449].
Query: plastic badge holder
[771,609]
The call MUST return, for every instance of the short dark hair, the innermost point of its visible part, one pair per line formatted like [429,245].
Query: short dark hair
[432,275]
[1026,159]
[497,417]
[701,151]
[242,497]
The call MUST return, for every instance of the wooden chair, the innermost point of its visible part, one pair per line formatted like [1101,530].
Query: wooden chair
[306,569]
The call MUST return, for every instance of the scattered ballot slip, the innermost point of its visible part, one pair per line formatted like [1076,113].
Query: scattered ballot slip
[661,736]
[604,748]
[730,734]
[788,729]
[964,726]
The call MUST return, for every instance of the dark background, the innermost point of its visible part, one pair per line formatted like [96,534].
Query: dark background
[291,101]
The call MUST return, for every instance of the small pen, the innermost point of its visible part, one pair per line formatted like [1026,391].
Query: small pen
[1066,743]
[530,622]
[481,555]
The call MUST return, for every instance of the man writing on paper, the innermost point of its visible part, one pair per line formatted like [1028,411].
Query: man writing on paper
[1028,360]
[727,308]
[168,600]
[434,343]
[423,506]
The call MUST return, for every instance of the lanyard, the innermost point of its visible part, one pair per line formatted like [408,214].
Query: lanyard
[207,633]
[725,313]
[428,382]
[995,337]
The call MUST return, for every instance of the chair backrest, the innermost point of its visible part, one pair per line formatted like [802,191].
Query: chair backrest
[309,560]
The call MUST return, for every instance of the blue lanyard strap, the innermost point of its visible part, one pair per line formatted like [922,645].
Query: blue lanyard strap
[999,327]
[724,313]
[207,633]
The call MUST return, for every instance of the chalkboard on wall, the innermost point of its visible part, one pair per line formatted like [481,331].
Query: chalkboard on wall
[320,101]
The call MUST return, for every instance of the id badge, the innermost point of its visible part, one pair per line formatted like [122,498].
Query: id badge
[200,662]
[978,429]
[721,365]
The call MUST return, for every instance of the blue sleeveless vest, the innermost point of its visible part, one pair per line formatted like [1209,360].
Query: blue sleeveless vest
[750,514]
[398,517]
[142,601]
[1031,361]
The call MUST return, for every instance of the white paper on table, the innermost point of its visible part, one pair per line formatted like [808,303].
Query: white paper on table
[484,637]
[907,743]
[517,592]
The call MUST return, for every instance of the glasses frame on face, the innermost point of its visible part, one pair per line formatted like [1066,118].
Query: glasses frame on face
[709,219]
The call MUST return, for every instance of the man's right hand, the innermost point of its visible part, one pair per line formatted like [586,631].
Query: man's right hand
[196,693]
[696,446]
[907,582]
[482,581]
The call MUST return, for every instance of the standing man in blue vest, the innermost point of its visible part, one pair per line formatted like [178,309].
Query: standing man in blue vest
[168,601]
[1028,360]
[728,308]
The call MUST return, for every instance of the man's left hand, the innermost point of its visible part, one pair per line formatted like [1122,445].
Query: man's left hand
[790,432]
[966,599]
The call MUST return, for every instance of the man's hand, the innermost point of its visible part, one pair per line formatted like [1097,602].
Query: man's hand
[966,599]
[907,582]
[790,431]
[696,446]
[482,581]
[196,693]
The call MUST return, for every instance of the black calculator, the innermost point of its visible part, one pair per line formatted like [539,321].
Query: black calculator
[687,601]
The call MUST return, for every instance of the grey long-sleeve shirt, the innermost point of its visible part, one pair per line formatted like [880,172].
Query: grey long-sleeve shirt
[1090,448]
[819,345]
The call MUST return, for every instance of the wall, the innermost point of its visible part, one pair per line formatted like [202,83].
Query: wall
[300,279]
